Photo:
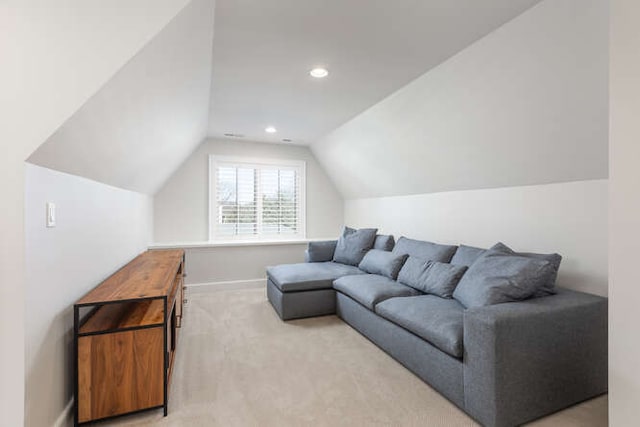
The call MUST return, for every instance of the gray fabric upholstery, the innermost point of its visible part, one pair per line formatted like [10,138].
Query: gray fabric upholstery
[516,361]
[370,289]
[497,277]
[424,250]
[384,242]
[527,359]
[296,305]
[441,371]
[320,251]
[554,259]
[411,271]
[353,245]
[384,263]
[466,255]
[431,277]
[432,318]
[442,279]
[308,276]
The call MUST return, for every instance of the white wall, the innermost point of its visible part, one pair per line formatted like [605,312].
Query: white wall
[226,265]
[181,207]
[99,229]
[181,210]
[79,55]
[568,218]
[525,105]
[624,221]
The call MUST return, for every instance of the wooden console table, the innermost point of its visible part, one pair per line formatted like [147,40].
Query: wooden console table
[125,335]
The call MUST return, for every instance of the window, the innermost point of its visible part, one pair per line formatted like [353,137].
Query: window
[256,199]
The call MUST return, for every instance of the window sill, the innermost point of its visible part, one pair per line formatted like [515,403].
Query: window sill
[232,243]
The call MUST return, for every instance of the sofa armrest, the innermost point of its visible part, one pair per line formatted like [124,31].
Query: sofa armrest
[320,251]
[527,359]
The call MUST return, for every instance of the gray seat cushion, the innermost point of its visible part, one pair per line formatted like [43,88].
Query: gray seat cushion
[427,251]
[308,276]
[370,289]
[436,320]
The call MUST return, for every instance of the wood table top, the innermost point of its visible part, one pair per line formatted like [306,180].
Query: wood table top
[149,275]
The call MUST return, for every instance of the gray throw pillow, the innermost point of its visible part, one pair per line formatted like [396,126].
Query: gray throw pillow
[431,277]
[498,277]
[385,242]
[554,259]
[466,255]
[381,262]
[353,245]
[320,251]
[424,250]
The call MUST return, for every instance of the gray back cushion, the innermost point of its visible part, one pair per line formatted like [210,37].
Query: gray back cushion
[384,242]
[353,245]
[320,251]
[431,277]
[498,277]
[466,255]
[384,263]
[424,250]
[554,259]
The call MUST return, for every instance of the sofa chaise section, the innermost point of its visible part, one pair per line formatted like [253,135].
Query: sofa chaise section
[305,289]
[308,276]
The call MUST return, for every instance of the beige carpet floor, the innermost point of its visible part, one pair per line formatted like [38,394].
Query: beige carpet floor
[238,364]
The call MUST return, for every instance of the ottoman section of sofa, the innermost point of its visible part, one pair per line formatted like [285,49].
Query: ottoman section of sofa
[305,289]
[309,275]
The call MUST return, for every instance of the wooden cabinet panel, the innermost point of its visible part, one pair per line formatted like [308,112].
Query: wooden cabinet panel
[120,372]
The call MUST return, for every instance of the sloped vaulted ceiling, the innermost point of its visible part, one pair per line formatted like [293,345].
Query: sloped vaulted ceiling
[136,130]
[533,92]
[264,49]
[525,105]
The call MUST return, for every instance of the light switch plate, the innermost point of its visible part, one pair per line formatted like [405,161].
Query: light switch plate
[51,214]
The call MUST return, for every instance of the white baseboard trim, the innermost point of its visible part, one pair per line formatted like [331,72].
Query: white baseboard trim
[226,285]
[65,417]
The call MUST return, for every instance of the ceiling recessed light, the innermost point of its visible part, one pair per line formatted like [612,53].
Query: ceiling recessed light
[319,73]
[270,129]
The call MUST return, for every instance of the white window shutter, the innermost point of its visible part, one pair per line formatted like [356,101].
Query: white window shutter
[257,200]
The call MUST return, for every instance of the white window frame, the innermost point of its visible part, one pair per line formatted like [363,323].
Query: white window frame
[301,165]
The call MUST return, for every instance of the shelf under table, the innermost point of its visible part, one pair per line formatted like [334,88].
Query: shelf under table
[125,315]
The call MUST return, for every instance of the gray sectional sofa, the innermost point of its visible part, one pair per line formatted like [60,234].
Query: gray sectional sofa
[502,363]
